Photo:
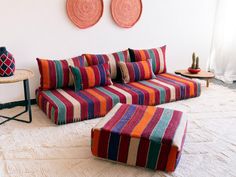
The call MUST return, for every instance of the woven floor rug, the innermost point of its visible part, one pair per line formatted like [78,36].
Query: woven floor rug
[42,149]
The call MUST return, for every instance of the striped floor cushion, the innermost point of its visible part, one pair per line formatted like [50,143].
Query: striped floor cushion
[65,106]
[144,136]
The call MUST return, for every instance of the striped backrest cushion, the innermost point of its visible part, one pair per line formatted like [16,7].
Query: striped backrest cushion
[91,76]
[56,74]
[157,55]
[112,59]
[136,71]
[93,59]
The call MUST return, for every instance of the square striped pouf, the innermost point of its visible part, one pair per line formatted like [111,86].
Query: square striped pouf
[144,136]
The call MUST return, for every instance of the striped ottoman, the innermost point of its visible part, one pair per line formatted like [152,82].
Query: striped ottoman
[144,136]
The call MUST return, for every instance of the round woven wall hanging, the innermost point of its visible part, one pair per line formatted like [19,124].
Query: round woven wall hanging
[84,13]
[126,12]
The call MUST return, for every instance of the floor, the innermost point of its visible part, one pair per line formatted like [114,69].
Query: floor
[42,149]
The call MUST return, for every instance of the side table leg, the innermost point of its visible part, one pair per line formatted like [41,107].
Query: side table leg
[207,82]
[27,106]
[27,99]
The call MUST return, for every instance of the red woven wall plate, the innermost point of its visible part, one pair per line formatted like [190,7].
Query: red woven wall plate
[84,13]
[126,13]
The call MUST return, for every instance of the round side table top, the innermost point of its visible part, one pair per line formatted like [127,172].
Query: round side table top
[19,75]
[201,74]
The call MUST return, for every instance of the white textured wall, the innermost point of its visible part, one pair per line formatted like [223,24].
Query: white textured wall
[31,29]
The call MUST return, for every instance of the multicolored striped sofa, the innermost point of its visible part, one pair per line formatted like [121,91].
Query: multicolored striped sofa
[66,106]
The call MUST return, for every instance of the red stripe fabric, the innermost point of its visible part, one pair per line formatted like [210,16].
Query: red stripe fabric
[97,76]
[52,69]
[124,148]
[65,73]
[142,152]
[162,159]
[103,143]
[158,65]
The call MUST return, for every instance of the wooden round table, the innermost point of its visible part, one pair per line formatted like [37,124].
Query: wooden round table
[201,75]
[20,75]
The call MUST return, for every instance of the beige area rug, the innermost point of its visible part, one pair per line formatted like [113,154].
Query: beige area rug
[42,149]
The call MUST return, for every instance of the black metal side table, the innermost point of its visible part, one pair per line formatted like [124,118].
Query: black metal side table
[19,76]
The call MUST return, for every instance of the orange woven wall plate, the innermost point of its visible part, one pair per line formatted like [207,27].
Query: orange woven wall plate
[126,13]
[84,13]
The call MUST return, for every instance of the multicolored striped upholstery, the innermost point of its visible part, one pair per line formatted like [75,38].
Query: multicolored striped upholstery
[56,74]
[93,59]
[144,136]
[113,59]
[157,55]
[66,106]
[136,71]
[91,76]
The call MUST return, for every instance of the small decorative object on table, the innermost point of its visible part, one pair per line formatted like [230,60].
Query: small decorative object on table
[194,69]
[7,63]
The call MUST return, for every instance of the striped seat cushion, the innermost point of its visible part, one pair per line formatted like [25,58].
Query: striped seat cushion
[113,59]
[55,73]
[91,76]
[144,136]
[65,105]
[158,56]
[136,71]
